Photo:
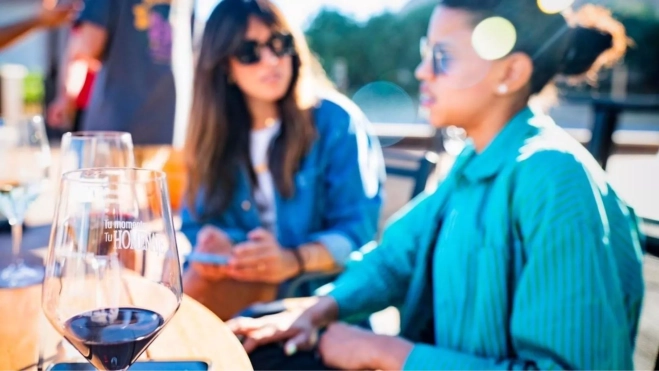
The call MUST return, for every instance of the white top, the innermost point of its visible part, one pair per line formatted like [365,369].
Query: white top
[264,193]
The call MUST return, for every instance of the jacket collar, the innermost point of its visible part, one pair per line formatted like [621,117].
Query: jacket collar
[504,148]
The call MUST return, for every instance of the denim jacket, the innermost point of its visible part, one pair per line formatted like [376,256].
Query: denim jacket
[338,190]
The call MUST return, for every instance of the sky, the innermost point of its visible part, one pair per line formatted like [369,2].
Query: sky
[300,12]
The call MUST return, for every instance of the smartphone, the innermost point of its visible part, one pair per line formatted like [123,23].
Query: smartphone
[138,366]
[200,257]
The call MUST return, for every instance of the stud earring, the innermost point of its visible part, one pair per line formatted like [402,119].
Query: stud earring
[502,89]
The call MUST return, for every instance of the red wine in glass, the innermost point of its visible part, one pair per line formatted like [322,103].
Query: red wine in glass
[113,339]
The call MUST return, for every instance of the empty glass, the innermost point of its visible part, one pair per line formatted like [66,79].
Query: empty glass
[89,149]
[24,171]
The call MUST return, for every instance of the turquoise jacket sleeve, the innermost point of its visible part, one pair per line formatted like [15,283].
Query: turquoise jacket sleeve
[568,310]
[382,276]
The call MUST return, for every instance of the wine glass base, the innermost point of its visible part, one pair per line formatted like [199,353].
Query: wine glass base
[21,275]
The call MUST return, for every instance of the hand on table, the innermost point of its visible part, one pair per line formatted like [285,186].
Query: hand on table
[341,346]
[294,327]
[214,241]
[347,347]
[262,259]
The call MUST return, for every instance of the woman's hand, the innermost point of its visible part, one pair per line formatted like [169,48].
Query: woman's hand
[294,327]
[212,240]
[60,112]
[298,326]
[262,259]
[347,347]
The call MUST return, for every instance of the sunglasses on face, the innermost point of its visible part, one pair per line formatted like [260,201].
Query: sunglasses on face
[440,58]
[280,44]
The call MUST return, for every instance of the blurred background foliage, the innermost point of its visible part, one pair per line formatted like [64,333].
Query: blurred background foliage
[386,48]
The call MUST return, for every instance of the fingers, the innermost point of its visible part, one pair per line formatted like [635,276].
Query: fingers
[256,262]
[298,335]
[305,340]
[204,236]
[58,114]
[265,334]
[250,274]
[212,239]
[250,254]
[243,325]
[208,235]
[250,344]
[260,234]
[291,347]
[209,271]
[60,14]
[55,116]
[252,262]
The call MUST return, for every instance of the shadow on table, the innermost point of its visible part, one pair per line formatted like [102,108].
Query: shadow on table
[29,258]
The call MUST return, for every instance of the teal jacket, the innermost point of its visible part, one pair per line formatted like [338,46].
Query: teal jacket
[537,262]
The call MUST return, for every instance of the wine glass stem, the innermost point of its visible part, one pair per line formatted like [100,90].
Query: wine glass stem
[17,239]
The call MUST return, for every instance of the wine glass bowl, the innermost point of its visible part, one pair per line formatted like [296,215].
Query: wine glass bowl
[113,276]
[24,170]
[96,149]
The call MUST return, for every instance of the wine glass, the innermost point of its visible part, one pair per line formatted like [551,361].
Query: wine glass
[96,149]
[93,149]
[24,171]
[108,312]
[99,149]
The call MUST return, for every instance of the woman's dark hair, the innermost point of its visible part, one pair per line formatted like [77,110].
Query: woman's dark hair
[217,143]
[572,44]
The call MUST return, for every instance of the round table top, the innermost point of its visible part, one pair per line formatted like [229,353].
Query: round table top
[193,334]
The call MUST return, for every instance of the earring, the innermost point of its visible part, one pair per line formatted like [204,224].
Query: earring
[502,89]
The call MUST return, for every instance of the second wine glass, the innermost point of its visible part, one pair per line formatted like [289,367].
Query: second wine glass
[95,149]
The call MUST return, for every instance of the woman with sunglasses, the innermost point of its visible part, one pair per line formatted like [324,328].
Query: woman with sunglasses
[283,176]
[524,257]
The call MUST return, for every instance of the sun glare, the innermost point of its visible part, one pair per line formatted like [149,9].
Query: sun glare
[494,38]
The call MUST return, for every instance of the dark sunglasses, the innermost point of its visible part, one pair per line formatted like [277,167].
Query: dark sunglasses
[280,44]
[440,59]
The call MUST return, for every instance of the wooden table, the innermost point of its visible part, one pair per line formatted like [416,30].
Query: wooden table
[194,333]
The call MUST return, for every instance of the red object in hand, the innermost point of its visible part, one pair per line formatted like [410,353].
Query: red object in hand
[82,100]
